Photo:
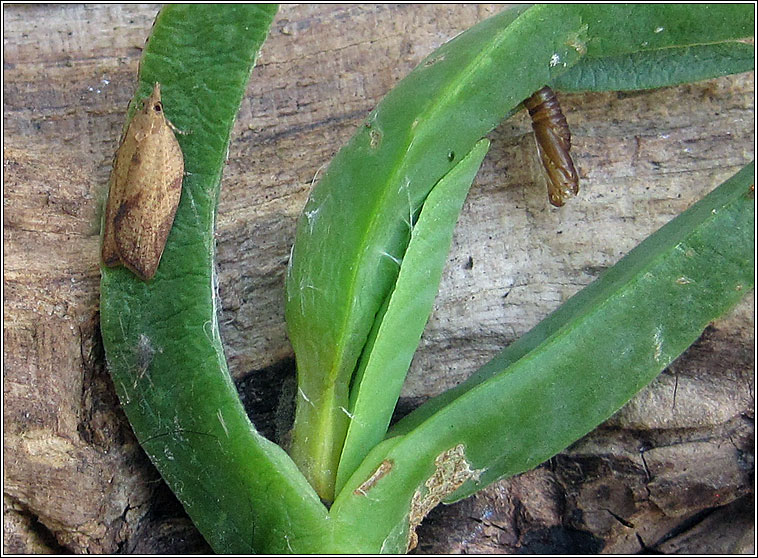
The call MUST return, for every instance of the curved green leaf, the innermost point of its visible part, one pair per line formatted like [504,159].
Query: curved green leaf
[635,28]
[161,338]
[585,362]
[679,51]
[396,334]
[339,274]
[658,68]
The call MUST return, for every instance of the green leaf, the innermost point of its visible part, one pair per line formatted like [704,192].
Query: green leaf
[391,344]
[572,371]
[651,69]
[694,53]
[161,338]
[339,276]
[618,29]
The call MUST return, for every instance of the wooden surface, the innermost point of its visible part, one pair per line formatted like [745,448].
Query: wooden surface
[671,472]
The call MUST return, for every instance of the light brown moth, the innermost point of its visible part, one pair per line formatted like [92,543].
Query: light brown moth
[144,191]
[553,143]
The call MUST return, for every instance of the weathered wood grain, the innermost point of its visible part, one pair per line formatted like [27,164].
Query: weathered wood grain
[74,478]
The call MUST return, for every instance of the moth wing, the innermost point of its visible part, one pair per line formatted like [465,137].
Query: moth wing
[116,191]
[151,195]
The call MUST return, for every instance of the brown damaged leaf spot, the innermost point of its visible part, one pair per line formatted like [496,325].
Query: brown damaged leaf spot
[452,469]
[383,468]
[144,192]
